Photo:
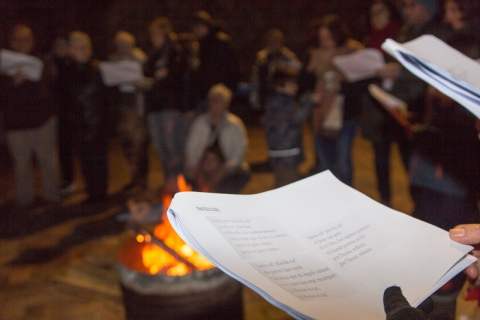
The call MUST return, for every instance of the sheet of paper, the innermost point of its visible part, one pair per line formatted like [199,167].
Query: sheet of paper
[360,65]
[317,248]
[120,72]
[443,67]
[12,62]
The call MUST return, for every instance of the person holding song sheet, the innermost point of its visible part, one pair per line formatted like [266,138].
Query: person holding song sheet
[335,118]
[167,125]
[30,125]
[384,23]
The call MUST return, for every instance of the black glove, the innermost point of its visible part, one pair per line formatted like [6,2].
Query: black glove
[398,308]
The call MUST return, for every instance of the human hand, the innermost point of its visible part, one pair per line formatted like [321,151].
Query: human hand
[18,78]
[161,73]
[469,234]
[317,98]
[397,307]
[390,71]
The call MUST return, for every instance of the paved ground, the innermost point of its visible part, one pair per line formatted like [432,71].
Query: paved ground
[59,262]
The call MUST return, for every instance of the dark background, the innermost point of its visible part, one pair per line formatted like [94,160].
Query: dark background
[246,20]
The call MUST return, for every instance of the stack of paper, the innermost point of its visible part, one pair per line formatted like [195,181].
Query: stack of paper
[360,65]
[443,67]
[317,248]
[120,72]
[12,62]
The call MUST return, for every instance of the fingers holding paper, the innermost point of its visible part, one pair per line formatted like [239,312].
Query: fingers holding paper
[18,78]
[390,71]
[469,234]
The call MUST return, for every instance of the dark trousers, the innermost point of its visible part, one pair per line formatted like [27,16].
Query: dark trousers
[382,149]
[93,161]
[66,145]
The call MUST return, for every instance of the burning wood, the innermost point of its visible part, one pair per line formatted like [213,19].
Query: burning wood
[163,251]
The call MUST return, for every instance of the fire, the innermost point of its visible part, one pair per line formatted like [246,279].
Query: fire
[155,259]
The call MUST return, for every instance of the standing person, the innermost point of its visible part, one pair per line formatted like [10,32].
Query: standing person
[218,128]
[85,96]
[60,60]
[283,124]
[131,108]
[273,57]
[445,166]
[334,146]
[462,16]
[419,16]
[167,126]
[218,61]
[30,126]
[384,23]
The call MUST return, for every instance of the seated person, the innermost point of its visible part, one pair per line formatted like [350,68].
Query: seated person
[210,166]
[219,127]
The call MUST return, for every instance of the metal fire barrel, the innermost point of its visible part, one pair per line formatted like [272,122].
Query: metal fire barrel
[206,294]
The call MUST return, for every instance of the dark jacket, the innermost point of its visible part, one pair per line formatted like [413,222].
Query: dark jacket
[86,100]
[449,152]
[27,105]
[164,93]
[283,122]
[218,64]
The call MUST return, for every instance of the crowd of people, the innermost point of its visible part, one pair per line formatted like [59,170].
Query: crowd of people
[181,106]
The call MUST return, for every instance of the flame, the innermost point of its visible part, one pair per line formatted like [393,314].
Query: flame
[157,260]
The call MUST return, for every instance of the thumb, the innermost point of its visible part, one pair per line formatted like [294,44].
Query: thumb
[466,234]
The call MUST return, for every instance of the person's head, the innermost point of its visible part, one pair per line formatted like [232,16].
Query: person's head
[202,23]
[285,81]
[381,13]
[80,46]
[219,98]
[418,12]
[21,39]
[159,30]
[124,43]
[460,13]
[274,40]
[332,32]
[60,46]
[212,160]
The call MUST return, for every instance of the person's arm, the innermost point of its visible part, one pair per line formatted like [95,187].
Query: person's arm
[469,234]
[194,148]
[238,141]
[303,111]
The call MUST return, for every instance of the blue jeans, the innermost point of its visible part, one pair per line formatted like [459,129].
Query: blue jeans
[168,132]
[336,154]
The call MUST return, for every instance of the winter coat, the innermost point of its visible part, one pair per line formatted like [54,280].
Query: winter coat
[283,125]
[86,100]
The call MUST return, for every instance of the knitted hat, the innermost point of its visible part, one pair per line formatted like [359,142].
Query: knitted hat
[430,5]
